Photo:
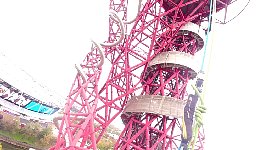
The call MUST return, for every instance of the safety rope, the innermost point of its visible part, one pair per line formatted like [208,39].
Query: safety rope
[209,27]
[200,109]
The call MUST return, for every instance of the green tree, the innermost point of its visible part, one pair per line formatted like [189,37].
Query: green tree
[44,132]
[9,123]
[106,144]
[32,133]
[108,140]
[46,137]
[32,129]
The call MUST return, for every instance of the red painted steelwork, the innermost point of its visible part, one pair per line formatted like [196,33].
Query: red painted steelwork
[156,30]
[77,128]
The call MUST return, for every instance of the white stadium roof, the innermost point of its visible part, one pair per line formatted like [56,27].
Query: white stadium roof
[21,80]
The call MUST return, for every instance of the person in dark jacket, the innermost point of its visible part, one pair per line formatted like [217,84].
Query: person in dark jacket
[189,111]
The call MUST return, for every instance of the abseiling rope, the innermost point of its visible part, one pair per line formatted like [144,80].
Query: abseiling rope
[201,108]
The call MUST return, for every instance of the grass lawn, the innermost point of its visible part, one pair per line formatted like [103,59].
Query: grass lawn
[19,137]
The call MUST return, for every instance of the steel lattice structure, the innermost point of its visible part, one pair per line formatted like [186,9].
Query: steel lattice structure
[146,85]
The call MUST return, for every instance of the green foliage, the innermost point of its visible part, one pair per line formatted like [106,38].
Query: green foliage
[32,133]
[9,123]
[108,140]
[106,143]
[44,132]
[37,136]
[33,128]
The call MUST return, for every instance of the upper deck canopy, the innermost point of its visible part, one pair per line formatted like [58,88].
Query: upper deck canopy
[19,88]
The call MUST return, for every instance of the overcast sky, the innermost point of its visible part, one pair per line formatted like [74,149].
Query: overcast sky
[46,38]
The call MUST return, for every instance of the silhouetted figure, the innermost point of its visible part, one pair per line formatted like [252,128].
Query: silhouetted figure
[189,111]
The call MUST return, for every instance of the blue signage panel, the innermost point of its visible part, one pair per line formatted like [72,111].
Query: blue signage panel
[40,108]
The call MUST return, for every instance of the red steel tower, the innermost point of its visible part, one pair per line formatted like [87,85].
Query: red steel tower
[150,70]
